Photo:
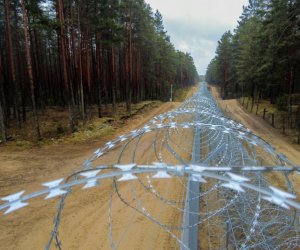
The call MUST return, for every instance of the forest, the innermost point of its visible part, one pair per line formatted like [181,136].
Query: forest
[260,60]
[77,54]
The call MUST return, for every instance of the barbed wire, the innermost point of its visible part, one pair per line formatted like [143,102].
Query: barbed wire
[240,206]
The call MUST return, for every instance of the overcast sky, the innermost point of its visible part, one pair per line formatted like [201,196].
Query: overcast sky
[195,26]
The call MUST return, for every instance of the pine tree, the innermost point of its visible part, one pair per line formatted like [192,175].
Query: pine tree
[30,74]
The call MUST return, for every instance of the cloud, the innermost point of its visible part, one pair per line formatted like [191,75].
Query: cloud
[197,38]
[203,28]
[195,26]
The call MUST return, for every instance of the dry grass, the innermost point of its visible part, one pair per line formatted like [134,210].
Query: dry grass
[280,116]
[54,124]
[265,104]
[183,93]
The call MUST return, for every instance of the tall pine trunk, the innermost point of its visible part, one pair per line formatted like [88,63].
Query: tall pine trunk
[137,72]
[82,108]
[99,73]
[11,62]
[30,75]
[291,78]
[21,85]
[130,68]
[40,70]
[2,114]
[74,59]
[112,79]
[63,48]
[2,121]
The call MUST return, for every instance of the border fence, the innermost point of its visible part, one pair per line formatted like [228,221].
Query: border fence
[238,191]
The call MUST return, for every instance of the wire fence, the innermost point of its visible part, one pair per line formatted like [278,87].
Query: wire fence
[246,197]
[289,124]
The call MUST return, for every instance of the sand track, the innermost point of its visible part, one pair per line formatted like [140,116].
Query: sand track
[85,216]
[259,127]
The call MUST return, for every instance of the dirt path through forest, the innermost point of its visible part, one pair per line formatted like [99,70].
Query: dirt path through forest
[85,216]
[86,213]
[259,127]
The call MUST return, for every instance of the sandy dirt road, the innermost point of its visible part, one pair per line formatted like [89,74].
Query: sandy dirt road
[85,219]
[86,214]
[257,125]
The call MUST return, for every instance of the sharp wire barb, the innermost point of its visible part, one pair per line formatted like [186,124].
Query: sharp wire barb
[200,177]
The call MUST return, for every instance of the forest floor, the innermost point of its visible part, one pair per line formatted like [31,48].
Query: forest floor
[25,168]
[54,125]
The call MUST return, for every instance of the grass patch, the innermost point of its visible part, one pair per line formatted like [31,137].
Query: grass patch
[93,129]
[180,94]
[54,125]
[139,107]
[265,104]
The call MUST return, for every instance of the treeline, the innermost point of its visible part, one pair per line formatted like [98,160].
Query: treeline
[79,53]
[261,59]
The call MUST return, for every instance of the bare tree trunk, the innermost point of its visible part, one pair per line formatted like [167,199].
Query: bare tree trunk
[88,69]
[82,108]
[138,84]
[12,67]
[223,88]
[2,123]
[130,63]
[40,69]
[64,64]
[112,79]
[74,54]
[127,75]
[21,85]
[99,73]
[73,59]
[30,75]
[289,98]
[2,114]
